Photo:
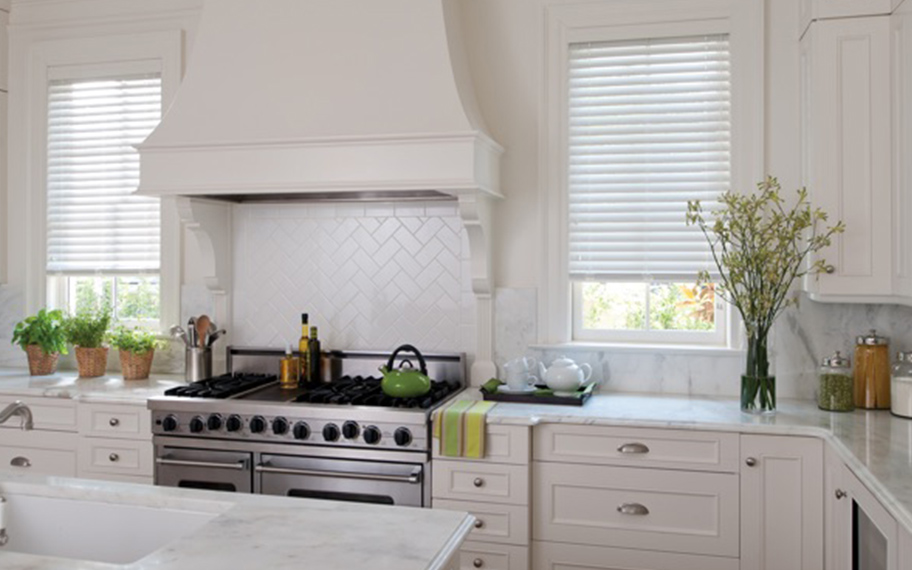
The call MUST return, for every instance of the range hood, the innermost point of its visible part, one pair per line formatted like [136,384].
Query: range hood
[328,98]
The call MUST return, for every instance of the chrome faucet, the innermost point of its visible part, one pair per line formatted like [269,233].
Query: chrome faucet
[17,408]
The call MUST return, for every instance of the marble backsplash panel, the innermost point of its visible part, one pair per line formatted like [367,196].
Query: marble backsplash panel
[802,336]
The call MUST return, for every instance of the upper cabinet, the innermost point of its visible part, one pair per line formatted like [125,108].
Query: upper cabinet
[854,147]
[811,10]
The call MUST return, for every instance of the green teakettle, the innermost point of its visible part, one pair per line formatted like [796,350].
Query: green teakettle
[405,382]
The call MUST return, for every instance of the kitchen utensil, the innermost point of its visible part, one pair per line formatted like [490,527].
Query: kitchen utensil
[202,330]
[197,363]
[564,376]
[507,389]
[872,372]
[192,332]
[405,382]
[178,332]
[214,336]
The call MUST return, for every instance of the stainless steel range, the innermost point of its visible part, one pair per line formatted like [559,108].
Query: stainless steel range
[342,439]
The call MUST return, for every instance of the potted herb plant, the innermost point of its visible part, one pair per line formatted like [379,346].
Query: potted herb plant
[87,332]
[43,339]
[760,247]
[137,349]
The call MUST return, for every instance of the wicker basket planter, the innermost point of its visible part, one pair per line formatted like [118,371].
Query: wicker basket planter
[92,362]
[136,366]
[41,364]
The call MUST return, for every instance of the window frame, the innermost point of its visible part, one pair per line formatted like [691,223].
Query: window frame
[77,58]
[566,25]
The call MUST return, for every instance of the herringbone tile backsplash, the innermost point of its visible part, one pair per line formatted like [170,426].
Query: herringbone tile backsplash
[371,276]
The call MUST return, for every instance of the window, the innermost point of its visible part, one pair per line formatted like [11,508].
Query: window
[103,244]
[649,128]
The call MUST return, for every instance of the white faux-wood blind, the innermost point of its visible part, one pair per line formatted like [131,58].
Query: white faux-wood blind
[94,224]
[649,129]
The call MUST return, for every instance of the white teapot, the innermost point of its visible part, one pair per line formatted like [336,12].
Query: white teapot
[565,376]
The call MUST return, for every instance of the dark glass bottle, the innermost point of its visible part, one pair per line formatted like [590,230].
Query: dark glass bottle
[314,357]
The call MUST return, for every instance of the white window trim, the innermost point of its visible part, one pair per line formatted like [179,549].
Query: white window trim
[628,19]
[34,64]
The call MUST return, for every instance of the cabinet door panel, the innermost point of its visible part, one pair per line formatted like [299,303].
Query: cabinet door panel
[555,556]
[846,113]
[781,503]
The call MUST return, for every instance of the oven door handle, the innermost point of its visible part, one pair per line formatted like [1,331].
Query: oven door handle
[413,478]
[239,466]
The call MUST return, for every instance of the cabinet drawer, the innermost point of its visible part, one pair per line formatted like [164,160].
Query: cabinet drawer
[474,555]
[504,524]
[55,462]
[116,456]
[503,444]
[101,420]
[651,509]
[52,414]
[478,481]
[636,447]
[551,556]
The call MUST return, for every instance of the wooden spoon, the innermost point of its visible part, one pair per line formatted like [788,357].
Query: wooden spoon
[202,329]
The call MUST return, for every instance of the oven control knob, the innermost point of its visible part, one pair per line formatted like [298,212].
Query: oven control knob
[330,432]
[214,423]
[170,423]
[403,437]
[196,425]
[280,426]
[234,423]
[350,430]
[371,435]
[257,424]
[301,430]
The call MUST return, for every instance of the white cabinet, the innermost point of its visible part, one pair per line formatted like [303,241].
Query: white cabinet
[781,503]
[901,23]
[554,556]
[810,10]
[905,549]
[846,144]
[38,452]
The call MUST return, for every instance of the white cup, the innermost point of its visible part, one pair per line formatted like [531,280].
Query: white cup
[518,373]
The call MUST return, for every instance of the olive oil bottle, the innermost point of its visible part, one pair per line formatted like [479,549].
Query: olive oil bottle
[304,350]
[315,356]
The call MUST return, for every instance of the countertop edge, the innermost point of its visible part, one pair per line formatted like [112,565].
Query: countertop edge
[451,548]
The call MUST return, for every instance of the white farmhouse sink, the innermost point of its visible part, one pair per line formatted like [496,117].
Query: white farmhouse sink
[93,530]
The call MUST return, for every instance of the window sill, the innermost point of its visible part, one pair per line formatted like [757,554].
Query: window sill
[691,350]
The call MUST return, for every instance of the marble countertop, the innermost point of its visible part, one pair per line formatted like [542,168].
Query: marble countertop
[109,388]
[258,531]
[876,445]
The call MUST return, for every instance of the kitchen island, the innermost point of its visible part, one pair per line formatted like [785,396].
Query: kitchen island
[240,531]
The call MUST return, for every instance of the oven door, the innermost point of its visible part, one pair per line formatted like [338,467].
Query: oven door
[342,480]
[204,469]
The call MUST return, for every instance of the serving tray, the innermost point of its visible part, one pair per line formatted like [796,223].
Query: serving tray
[543,395]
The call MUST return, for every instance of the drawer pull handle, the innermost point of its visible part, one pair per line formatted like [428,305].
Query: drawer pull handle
[750,462]
[478,482]
[20,462]
[633,449]
[114,422]
[840,494]
[479,523]
[830,269]
[478,563]
[633,509]
[114,458]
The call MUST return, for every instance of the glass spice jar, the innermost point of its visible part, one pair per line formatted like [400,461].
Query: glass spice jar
[901,394]
[872,372]
[835,391]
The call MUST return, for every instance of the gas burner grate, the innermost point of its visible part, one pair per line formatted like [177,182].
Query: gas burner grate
[222,387]
[361,391]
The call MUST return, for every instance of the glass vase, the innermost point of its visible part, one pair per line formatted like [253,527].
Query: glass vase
[758,386]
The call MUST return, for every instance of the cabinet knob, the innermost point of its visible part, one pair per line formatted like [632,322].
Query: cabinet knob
[830,269]
[478,482]
[20,462]
[633,509]
[114,422]
[840,494]
[114,458]
[479,523]
[750,462]
[478,563]
[633,448]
